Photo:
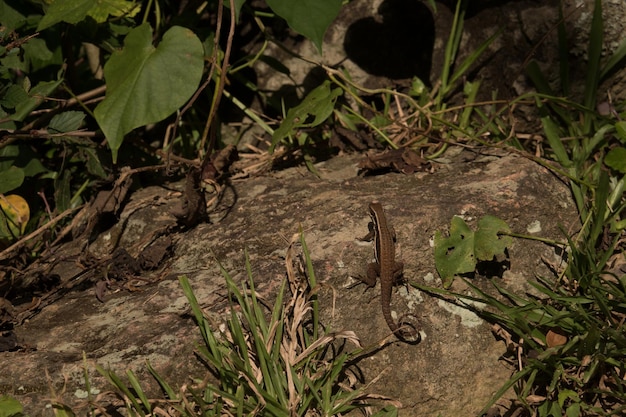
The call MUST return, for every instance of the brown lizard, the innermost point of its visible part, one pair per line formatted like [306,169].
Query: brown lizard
[386,268]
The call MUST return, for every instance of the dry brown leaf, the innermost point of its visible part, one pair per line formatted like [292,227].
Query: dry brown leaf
[555,337]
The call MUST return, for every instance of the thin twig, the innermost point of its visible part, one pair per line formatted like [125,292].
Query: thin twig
[8,251]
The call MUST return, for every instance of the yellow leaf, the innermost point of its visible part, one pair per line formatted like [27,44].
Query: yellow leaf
[16,211]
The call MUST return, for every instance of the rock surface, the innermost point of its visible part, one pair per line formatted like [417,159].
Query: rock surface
[454,369]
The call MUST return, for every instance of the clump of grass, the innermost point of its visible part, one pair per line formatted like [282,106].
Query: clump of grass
[421,118]
[267,361]
[568,343]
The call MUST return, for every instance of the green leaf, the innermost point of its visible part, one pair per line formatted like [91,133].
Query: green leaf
[70,11]
[74,11]
[62,192]
[8,155]
[33,167]
[36,96]
[616,159]
[310,18]
[573,410]
[458,253]
[104,8]
[538,78]
[146,84]
[471,59]
[417,87]
[10,18]
[620,129]
[66,122]
[11,179]
[565,395]
[554,139]
[615,61]
[319,103]
[13,96]
[94,164]
[10,407]
[488,241]
[454,254]
[38,55]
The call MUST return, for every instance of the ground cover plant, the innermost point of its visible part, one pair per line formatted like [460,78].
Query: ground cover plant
[65,132]
[274,360]
[568,343]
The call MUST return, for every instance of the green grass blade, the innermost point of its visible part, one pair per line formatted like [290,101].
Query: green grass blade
[512,381]
[452,48]
[313,284]
[600,209]
[538,79]
[470,90]
[553,135]
[615,61]
[134,382]
[120,385]
[195,307]
[472,58]
[596,38]
[169,392]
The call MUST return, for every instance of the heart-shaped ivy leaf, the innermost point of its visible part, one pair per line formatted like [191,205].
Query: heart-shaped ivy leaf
[310,18]
[146,84]
[454,254]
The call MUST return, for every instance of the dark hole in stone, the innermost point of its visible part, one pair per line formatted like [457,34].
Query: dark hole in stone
[398,44]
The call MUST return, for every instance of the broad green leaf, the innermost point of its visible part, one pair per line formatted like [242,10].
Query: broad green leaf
[74,11]
[66,122]
[319,104]
[33,167]
[10,179]
[10,18]
[616,159]
[13,96]
[488,241]
[70,11]
[38,55]
[310,18]
[8,155]
[458,253]
[9,407]
[146,84]
[104,8]
[565,395]
[454,254]
[573,410]
[417,87]
[36,96]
